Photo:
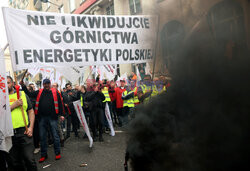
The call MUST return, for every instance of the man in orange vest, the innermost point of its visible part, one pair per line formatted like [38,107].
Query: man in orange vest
[48,107]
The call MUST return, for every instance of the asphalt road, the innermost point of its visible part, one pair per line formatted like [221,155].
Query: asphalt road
[104,156]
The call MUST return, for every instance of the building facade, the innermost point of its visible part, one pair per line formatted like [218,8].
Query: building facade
[177,20]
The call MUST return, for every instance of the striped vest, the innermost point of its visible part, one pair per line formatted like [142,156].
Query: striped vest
[54,93]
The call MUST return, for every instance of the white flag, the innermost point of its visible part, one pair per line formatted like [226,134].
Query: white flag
[81,116]
[6,128]
[108,116]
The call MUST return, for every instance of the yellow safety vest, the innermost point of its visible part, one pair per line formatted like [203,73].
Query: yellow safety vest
[145,88]
[81,101]
[129,102]
[163,90]
[155,91]
[136,100]
[106,94]
[16,114]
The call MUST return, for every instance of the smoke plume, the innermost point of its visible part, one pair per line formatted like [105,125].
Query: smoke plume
[202,123]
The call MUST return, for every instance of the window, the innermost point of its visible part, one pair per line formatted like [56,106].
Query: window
[172,35]
[72,5]
[135,7]
[110,9]
[226,21]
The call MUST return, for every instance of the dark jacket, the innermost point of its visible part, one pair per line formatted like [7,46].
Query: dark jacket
[94,99]
[69,99]
[46,104]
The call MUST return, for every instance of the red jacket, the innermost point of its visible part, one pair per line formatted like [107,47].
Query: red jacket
[118,97]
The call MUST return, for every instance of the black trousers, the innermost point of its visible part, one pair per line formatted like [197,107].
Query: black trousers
[96,121]
[75,123]
[68,126]
[36,134]
[119,112]
[4,159]
[21,153]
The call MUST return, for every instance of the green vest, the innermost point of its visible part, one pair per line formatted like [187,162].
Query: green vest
[155,91]
[129,102]
[106,94]
[81,101]
[136,100]
[145,88]
[16,114]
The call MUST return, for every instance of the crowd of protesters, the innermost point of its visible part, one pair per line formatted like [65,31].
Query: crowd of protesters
[51,116]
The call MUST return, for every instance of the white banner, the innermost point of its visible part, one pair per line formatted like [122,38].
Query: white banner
[6,128]
[72,73]
[58,40]
[81,116]
[109,119]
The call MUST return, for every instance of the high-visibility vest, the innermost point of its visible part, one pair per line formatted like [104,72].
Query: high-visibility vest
[16,114]
[145,88]
[155,91]
[81,101]
[106,94]
[54,93]
[163,90]
[136,99]
[129,102]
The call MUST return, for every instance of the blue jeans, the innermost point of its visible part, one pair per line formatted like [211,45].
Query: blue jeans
[44,123]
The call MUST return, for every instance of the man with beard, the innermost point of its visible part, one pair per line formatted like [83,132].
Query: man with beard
[48,107]
[21,153]
[95,100]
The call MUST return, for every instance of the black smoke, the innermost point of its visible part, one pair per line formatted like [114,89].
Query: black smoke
[202,123]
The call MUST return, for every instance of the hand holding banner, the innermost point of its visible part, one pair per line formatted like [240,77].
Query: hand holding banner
[81,116]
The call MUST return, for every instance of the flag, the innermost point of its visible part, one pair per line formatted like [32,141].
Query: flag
[81,116]
[6,127]
[108,116]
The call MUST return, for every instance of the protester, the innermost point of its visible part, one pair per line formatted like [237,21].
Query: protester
[70,97]
[128,104]
[48,107]
[31,88]
[105,91]
[119,101]
[21,153]
[145,90]
[95,100]
[60,131]
[113,102]
[84,104]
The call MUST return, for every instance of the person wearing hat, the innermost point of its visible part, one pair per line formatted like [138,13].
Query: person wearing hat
[48,107]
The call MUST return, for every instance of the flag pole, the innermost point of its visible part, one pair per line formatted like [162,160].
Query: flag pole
[18,95]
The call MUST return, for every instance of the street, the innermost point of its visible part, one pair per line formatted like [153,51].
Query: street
[105,156]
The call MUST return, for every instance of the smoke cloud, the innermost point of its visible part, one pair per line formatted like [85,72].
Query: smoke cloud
[202,122]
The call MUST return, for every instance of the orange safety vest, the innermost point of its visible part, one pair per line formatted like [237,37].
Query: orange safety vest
[54,93]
